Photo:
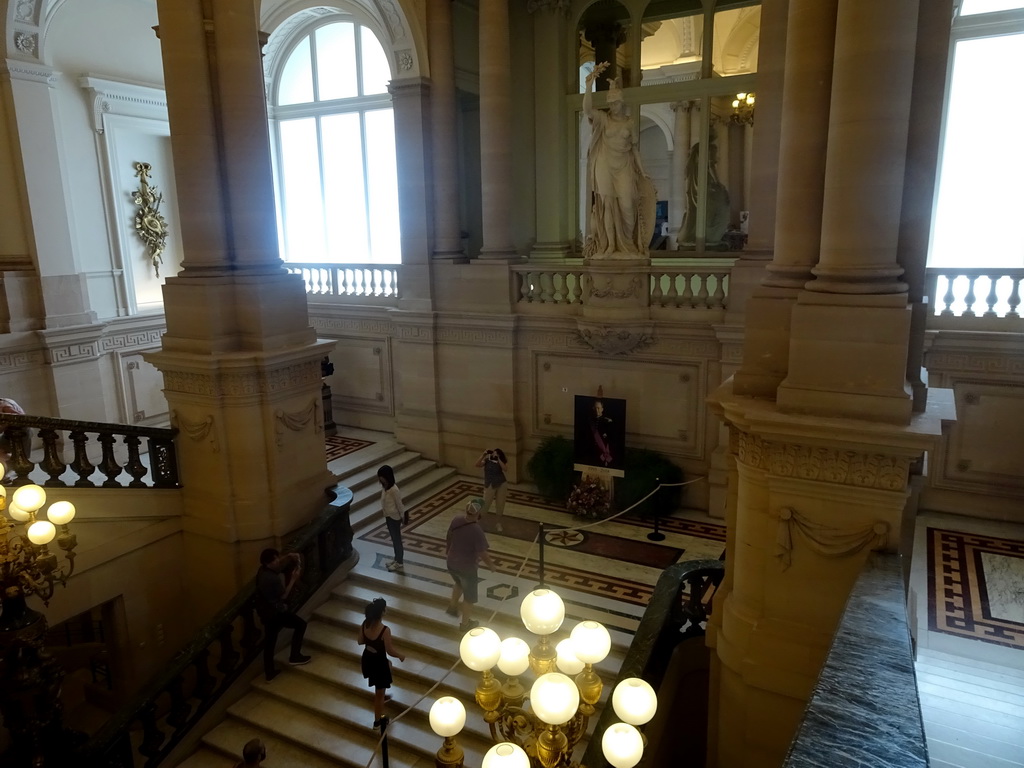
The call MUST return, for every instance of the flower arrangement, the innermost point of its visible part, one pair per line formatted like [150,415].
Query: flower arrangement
[589,498]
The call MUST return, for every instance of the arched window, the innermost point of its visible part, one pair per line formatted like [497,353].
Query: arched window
[334,133]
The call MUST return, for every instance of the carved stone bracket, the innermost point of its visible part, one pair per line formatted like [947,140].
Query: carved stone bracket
[616,340]
[825,541]
[297,421]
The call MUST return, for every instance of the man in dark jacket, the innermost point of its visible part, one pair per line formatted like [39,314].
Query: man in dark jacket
[272,606]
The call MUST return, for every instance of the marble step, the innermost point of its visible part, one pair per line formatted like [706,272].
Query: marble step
[366,477]
[412,607]
[347,699]
[231,735]
[994,671]
[348,740]
[428,479]
[209,758]
[382,452]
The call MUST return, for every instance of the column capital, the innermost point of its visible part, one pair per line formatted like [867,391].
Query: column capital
[406,86]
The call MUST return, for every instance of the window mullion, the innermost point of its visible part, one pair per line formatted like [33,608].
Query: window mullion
[323,187]
[366,186]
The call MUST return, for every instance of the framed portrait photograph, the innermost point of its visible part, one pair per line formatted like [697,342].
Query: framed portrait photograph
[599,433]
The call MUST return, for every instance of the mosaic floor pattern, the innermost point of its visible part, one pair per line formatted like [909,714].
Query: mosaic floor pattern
[612,560]
[338,446]
[976,587]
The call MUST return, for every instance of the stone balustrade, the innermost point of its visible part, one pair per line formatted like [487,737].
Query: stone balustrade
[983,293]
[373,281]
[670,286]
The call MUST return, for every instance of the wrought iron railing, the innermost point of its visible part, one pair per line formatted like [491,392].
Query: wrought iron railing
[148,728]
[55,434]
[678,610]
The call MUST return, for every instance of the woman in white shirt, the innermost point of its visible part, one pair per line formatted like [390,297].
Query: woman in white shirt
[394,515]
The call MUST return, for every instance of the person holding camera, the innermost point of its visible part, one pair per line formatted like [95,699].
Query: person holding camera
[272,606]
[494,465]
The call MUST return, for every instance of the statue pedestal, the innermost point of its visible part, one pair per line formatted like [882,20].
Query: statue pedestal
[616,304]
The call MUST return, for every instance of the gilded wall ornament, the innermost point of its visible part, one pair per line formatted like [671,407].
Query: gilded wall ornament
[149,222]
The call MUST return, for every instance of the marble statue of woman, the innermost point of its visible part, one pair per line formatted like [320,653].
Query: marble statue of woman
[622,196]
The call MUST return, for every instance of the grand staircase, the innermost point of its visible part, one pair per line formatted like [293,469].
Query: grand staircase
[319,715]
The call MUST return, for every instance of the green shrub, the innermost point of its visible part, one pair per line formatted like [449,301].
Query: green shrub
[550,468]
[644,470]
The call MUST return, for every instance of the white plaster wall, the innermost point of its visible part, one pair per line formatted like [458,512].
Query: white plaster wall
[115,39]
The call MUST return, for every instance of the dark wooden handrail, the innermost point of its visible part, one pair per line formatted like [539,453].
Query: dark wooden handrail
[178,697]
[676,612]
[162,472]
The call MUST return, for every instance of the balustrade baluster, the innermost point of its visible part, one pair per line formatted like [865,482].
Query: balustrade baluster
[519,286]
[135,466]
[657,294]
[152,737]
[991,299]
[947,299]
[163,463]
[108,464]
[686,299]
[546,294]
[19,463]
[1014,300]
[81,465]
[702,293]
[361,288]
[718,299]
[670,298]
[577,288]
[558,288]
[52,463]
[587,287]
[180,708]
[228,655]
[378,280]
[970,298]
[205,681]
[251,634]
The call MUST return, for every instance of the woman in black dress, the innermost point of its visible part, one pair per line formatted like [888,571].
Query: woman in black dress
[375,636]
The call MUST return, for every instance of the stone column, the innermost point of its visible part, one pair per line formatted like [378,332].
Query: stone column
[803,137]
[922,164]
[850,332]
[444,133]
[551,80]
[410,98]
[240,362]
[677,172]
[496,134]
[764,169]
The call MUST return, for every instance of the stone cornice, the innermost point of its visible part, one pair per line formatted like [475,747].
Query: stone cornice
[861,469]
[113,97]
[30,72]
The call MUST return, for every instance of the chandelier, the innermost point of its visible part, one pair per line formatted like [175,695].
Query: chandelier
[30,678]
[743,109]
[27,566]
[544,733]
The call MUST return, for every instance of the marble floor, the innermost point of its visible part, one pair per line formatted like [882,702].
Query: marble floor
[966,604]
